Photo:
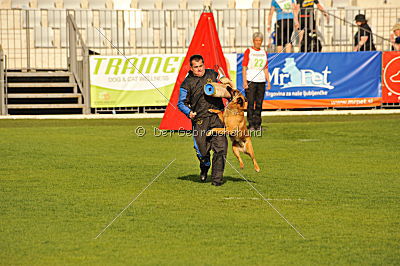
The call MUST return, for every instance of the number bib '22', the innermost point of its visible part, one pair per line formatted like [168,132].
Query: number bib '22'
[257,62]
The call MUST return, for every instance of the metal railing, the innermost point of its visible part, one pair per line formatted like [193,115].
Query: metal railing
[2,87]
[37,38]
[78,61]
[34,38]
[341,31]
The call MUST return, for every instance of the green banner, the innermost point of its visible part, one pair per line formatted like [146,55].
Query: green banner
[140,80]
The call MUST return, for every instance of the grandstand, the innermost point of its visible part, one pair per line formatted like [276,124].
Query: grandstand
[57,36]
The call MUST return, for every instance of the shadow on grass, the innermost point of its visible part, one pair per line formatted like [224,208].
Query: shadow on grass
[196,178]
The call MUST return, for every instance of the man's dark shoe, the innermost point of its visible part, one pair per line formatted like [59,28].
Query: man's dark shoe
[217,184]
[203,174]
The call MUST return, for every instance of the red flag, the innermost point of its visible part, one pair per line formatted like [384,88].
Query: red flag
[205,42]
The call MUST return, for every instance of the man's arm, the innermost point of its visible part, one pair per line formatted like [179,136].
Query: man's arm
[298,6]
[244,74]
[320,7]
[245,63]
[392,38]
[271,13]
[296,16]
[363,38]
[362,41]
[182,102]
[266,72]
[267,78]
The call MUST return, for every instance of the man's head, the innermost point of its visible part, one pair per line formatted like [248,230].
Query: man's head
[396,29]
[258,39]
[360,19]
[197,65]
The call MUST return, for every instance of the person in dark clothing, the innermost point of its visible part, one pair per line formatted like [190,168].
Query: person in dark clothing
[308,31]
[363,39]
[194,103]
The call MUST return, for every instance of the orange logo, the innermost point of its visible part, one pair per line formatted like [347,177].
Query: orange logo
[391,76]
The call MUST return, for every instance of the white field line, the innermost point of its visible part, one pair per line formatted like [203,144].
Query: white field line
[243,198]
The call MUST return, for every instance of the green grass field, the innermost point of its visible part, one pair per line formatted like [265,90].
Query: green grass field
[335,178]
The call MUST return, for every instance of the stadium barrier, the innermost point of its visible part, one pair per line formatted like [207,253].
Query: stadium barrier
[299,80]
[391,78]
[37,39]
[321,80]
[2,87]
[40,39]
[118,81]
[78,58]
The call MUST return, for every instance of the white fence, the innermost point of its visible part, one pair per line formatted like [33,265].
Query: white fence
[38,38]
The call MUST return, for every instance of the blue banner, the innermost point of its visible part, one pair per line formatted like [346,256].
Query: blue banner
[322,78]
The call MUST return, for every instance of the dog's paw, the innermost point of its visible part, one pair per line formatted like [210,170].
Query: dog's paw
[241,165]
[215,111]
[257,169]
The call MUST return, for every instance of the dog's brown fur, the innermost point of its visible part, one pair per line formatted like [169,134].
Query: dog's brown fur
[235,127]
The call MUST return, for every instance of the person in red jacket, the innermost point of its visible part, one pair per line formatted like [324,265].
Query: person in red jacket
[255,77]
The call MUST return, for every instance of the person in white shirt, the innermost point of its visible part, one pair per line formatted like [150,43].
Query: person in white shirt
[395,37]
[255,76]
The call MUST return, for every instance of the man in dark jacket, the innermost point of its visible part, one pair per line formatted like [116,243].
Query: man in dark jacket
[363,39]
[194,103]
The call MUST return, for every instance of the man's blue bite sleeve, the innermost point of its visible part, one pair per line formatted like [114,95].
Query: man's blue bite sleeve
[181,106]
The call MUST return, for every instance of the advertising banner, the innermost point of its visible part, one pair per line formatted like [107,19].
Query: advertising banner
[116,81]
[307,80]
[138,80]
[391,77]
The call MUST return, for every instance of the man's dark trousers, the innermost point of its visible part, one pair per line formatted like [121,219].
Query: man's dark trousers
[217,143]
[255,94]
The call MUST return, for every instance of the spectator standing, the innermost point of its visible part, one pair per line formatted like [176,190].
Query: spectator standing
[255,77]
[308,29]
[395,37]
[363,39]
[286,22]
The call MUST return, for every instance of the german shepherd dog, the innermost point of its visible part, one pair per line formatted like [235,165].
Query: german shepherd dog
[235,127]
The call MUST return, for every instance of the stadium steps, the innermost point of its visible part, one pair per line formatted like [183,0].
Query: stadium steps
[43,93]
[42,85]
[43,106]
